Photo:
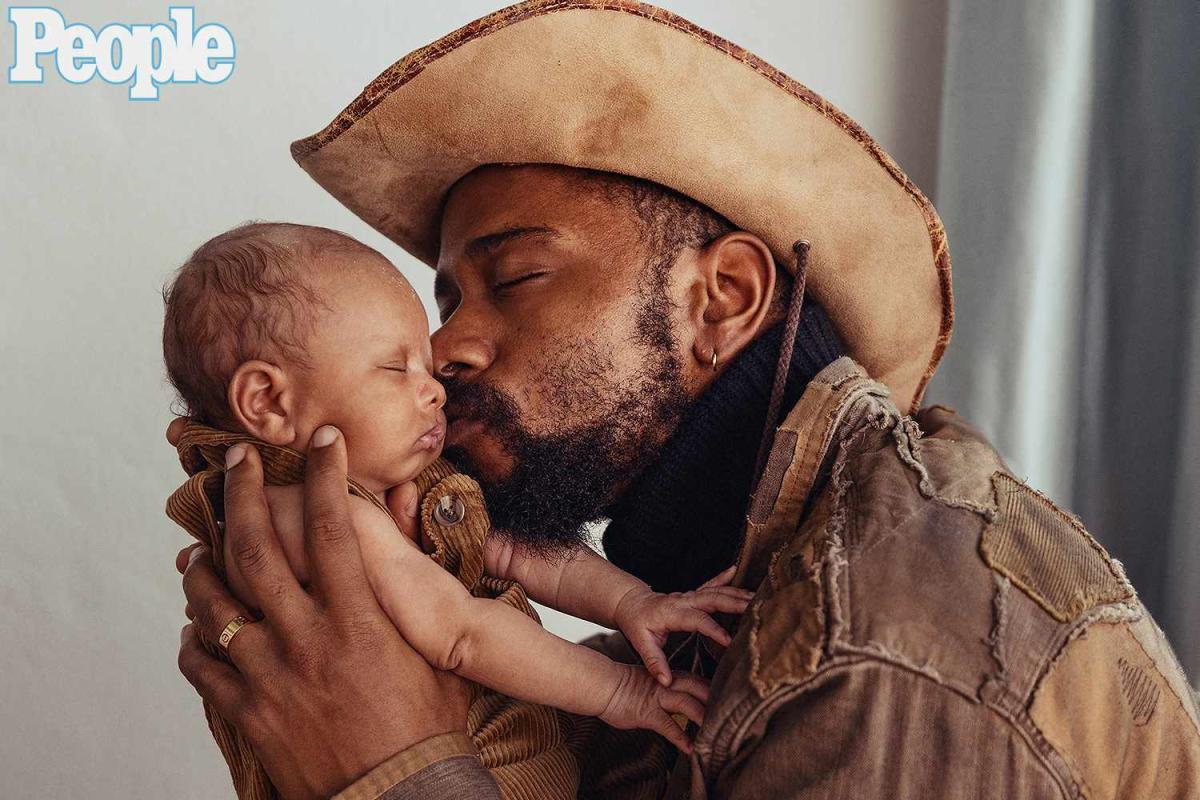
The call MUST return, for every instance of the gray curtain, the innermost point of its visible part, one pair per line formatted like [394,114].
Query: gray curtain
[1069,183]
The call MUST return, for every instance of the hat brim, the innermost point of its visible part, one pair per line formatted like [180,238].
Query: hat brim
[629,88]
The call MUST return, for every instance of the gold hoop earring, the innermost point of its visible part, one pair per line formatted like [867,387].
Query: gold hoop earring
[714,360]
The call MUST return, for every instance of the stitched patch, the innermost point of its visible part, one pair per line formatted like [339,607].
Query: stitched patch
[1048,553]
[1141,693]
[783,450]
[788,632]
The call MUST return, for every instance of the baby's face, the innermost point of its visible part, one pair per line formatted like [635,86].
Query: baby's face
[369,373]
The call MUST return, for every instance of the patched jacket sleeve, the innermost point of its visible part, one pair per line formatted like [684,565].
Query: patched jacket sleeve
[444,767]
[875,731]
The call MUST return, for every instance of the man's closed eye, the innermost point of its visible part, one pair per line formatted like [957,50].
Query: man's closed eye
[511,282]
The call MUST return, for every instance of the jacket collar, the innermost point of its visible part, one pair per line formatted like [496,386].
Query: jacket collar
[839,398]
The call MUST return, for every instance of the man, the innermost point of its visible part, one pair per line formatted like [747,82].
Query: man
[616,203]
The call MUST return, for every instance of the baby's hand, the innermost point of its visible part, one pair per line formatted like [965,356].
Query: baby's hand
[639,702]
[646,617]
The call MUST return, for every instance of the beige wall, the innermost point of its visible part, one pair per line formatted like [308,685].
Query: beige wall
[102,197]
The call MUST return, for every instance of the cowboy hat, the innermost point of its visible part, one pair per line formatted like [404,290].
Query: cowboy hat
[629,88]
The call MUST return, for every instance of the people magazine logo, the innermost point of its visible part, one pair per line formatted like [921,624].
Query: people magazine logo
[144,56]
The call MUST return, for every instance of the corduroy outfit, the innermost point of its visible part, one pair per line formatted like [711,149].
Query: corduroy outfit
[523,744]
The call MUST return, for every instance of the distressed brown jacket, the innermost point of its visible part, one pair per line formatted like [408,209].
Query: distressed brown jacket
[926,626]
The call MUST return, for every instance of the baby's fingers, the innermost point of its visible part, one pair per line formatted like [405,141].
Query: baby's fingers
[712,601]
[681,703]
[731,591]
[652,656]
[691,684]
[663,725]
[721,579]
[693,619]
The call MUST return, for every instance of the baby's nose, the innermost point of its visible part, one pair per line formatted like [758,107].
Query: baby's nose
[434,393]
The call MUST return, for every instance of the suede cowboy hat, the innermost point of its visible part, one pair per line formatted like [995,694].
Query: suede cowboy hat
[627,87]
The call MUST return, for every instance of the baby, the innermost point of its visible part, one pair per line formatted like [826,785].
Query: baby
[275,330]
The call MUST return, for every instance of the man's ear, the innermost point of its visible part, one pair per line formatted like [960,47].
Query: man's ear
[260,398]
[737,273]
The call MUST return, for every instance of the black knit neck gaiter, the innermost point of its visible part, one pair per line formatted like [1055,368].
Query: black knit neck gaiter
[681,521]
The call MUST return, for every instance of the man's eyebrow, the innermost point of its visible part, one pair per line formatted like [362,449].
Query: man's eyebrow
[485,245]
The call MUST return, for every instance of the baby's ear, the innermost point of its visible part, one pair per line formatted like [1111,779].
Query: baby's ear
[260,399]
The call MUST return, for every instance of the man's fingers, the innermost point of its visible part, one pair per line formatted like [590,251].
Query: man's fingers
[337,568]
[175,431]
[214,680]
[213,607]
[403,502]
[252,542]
[653,657]
[181,558]
[722,578]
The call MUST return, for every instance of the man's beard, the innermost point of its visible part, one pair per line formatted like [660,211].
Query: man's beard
[560,481]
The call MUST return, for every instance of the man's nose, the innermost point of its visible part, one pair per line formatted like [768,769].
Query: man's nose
[461,350]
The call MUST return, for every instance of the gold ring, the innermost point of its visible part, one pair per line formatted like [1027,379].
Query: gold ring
[235,625]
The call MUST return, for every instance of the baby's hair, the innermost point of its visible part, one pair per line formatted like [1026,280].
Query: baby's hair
[242,295]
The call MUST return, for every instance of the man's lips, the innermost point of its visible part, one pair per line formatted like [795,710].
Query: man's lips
[461,429]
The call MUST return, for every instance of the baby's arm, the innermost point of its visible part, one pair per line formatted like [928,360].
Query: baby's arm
[586,585]
[495,644]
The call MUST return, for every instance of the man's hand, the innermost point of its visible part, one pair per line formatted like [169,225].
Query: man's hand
[323,686]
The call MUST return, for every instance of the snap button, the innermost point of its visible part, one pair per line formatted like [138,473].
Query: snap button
[449,510]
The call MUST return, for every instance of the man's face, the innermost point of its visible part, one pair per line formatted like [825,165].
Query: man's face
[559,348]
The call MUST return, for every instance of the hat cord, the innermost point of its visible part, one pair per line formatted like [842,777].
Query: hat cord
[784,365]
